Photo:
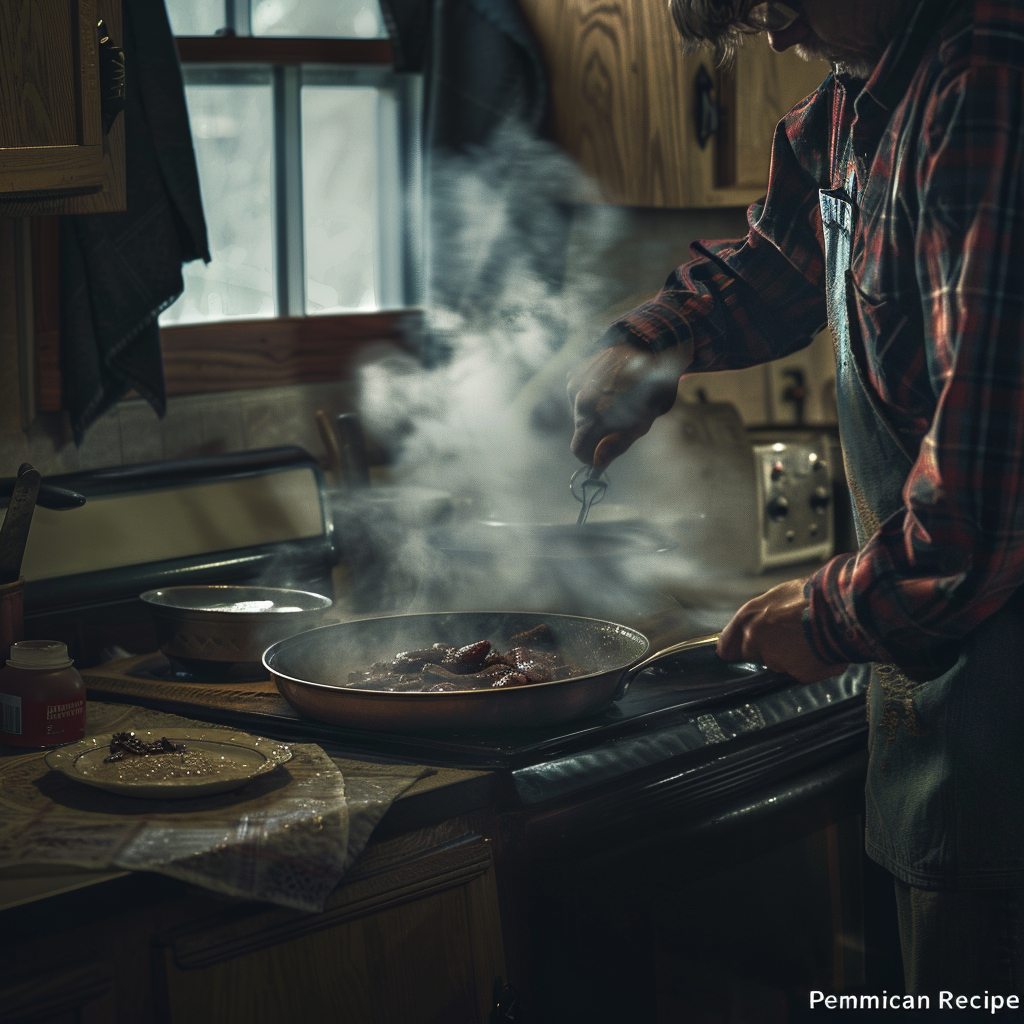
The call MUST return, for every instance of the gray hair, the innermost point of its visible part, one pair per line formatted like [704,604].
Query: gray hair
[711,23]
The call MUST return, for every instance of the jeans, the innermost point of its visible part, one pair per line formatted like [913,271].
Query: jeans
[963,941]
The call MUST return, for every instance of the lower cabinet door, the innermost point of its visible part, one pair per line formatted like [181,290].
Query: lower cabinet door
[418,942]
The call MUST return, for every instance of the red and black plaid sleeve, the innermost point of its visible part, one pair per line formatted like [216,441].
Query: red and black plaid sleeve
[749,301]
[945,252]
[955,553]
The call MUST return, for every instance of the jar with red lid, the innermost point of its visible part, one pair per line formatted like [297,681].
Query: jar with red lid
[42,697]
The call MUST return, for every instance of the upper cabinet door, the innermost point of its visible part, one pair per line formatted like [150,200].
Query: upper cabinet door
[53,153]
[625,103]
[759,91]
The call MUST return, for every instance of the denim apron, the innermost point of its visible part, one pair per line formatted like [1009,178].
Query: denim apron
[945,785]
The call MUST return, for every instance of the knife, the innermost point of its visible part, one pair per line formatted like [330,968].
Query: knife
[59,499]
[14,532]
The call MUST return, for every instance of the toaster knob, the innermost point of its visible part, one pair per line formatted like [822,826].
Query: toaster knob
[778,470]
[778,508]
[820,499]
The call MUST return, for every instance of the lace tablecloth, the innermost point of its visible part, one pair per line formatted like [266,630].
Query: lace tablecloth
[287,837]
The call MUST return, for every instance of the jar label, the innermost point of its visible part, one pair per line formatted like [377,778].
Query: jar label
[10,714]
[39,724]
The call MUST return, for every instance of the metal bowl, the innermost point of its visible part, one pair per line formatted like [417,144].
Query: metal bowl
[206,628]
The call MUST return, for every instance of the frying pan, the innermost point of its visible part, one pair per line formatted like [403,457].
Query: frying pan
[311,670]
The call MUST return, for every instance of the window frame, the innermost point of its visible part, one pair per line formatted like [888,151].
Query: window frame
[290,348]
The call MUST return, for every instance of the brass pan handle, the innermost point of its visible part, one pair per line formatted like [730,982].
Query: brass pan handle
[695,643]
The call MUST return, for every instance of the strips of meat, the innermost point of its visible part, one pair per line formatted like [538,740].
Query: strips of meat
[540,634]
[469,658]
[476,666]
[124,743]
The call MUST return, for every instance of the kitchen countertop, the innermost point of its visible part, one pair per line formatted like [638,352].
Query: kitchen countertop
[441,794]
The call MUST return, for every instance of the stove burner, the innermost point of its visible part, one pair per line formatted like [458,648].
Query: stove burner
[163,669]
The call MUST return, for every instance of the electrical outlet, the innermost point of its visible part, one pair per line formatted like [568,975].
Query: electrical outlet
[798,385]
[790,389]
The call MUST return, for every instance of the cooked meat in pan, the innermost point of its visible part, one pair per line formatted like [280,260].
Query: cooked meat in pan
[476,666]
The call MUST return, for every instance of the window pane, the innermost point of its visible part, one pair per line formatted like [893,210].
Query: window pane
[340,193]
[358,19]
[196,17]
[232,133]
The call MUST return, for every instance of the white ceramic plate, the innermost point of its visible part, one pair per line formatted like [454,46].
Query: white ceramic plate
[216,760]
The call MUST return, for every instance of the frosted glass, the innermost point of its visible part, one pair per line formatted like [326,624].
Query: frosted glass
[350,19]
[196,17]
[339,193]
[232,134]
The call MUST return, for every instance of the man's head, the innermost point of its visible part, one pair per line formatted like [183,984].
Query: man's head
[850,34]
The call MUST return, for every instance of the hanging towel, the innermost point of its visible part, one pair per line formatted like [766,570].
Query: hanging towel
[119,271]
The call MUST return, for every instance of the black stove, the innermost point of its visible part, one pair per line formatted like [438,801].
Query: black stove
[688,713]
[691,706]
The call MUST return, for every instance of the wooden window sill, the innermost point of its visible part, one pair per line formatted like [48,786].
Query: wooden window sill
[233,355]
[281,50]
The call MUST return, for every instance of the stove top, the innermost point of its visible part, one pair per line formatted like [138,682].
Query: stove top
[692,698]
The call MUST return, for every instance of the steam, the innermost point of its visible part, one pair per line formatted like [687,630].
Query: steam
[499,309]
[487,419]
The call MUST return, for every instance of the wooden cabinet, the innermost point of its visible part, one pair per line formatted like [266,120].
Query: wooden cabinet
[412,936]
[54,154]
[624,103]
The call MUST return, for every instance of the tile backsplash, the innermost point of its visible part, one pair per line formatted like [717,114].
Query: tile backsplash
[194,425]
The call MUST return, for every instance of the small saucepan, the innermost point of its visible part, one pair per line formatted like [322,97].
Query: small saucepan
[209,629]
[311,670]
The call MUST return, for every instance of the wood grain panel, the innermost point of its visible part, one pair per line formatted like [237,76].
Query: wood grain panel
[388,874]
[424,946]
[108,193]
[621,98]
[768,85]
[10,390]
[40,84]
[37,82]
[113,194]
[624,98]
[232,355]
[83,995]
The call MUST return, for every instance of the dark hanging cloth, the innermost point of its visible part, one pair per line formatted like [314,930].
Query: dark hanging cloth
[119,271]
[485,106]
[481,67]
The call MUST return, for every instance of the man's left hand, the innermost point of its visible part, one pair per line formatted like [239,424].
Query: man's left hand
[769,631]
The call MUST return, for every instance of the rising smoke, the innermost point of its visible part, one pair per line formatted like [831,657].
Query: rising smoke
[485,417]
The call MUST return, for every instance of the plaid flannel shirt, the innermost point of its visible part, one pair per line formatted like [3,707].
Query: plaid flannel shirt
[938,264]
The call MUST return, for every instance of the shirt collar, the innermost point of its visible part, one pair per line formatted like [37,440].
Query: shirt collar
[876,98]
[889,81]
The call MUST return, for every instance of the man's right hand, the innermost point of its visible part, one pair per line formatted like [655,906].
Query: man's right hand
[616,397]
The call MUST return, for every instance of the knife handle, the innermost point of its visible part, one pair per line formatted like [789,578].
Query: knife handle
[57,499]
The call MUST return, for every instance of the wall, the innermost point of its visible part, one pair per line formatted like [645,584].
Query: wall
[635,249]
[199,425]
[131,432]
[629,252]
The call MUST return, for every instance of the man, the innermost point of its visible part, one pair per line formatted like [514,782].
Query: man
[895,212]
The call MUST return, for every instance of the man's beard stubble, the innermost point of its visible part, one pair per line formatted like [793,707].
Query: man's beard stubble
[857,65]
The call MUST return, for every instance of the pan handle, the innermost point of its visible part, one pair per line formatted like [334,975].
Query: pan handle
[695,643]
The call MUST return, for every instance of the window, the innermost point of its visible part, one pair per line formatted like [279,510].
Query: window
[342,19]
[308,154]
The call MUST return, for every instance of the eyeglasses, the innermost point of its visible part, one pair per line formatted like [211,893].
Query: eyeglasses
[770,17]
